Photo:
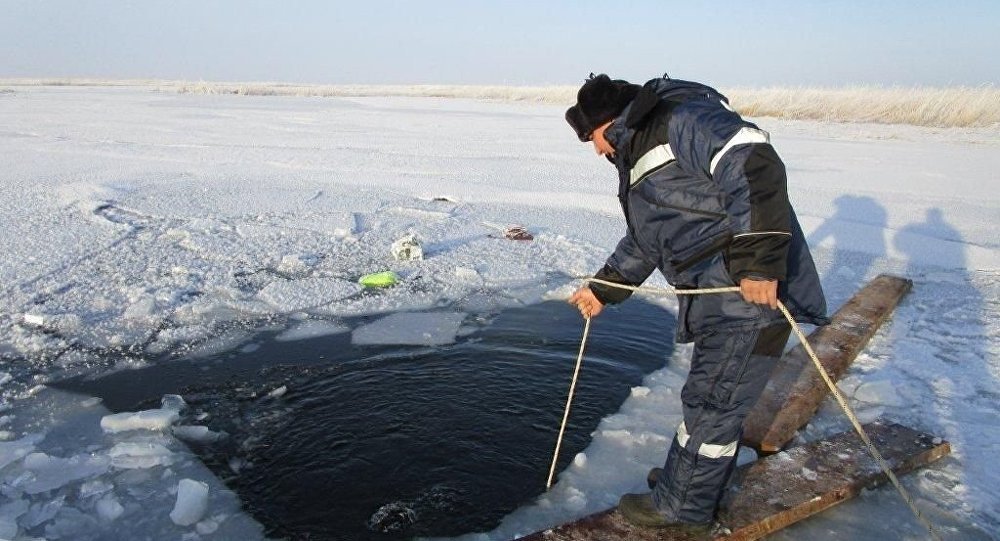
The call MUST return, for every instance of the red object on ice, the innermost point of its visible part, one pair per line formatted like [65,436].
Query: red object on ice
[517,232]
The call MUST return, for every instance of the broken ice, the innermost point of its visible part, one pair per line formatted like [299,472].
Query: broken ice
[192,501]
[410,328]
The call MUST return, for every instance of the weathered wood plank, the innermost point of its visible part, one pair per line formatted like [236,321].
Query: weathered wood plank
[782,489]
[796,390]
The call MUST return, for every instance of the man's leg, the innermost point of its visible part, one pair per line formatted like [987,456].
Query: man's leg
[728,373]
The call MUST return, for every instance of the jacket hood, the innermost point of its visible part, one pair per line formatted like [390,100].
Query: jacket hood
[663,89]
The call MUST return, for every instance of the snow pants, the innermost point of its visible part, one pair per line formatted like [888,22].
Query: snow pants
[729,370]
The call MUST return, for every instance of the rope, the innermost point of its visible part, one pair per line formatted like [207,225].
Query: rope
[816,362]
[569,402]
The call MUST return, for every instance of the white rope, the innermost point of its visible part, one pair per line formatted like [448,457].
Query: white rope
[569,402]
[816,362]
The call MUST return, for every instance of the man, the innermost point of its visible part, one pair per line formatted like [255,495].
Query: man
[705,202]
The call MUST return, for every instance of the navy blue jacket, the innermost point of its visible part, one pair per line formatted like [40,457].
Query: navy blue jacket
[705,202]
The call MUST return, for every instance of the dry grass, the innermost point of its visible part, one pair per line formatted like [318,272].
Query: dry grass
[940,107]
[920,106]
[541,94]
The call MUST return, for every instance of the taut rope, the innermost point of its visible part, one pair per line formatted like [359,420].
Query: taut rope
[812,355]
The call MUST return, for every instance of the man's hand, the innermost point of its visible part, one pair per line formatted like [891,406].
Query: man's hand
[760,291]
[586,302]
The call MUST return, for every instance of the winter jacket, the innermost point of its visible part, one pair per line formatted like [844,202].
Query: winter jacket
[705,202]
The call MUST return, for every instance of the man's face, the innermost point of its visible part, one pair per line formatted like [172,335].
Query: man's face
[601,145]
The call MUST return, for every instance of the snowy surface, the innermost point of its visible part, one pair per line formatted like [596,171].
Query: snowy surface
[138,222]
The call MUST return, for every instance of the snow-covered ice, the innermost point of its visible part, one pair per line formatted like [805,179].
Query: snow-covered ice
[142,223]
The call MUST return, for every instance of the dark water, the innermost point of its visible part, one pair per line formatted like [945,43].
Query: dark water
[388,443]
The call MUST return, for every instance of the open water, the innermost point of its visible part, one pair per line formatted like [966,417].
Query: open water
[396,442]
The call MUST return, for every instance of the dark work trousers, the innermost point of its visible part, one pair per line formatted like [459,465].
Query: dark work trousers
[729,370]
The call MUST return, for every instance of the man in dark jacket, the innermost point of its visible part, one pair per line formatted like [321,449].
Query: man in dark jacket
[705,202]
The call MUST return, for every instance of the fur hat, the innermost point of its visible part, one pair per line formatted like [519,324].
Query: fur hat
[599,100]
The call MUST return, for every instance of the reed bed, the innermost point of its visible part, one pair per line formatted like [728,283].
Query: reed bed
[965,107]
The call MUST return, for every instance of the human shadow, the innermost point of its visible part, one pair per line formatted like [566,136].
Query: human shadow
[944,349]
[855,230]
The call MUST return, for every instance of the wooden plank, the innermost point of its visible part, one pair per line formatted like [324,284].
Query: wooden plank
[783,488]
[796,390]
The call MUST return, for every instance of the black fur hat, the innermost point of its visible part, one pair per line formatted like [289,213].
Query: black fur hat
[599,100]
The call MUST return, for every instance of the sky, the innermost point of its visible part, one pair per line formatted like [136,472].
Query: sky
[760,43]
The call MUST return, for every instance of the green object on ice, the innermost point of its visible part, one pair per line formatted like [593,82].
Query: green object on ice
[379,279]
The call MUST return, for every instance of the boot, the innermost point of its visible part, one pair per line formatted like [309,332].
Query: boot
[638,509]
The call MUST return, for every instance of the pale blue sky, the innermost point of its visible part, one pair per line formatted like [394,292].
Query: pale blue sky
[768,42]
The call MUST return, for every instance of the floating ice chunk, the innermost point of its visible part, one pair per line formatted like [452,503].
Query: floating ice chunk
[8,528]
[158,419]
[580,460]
[640,391]
[173,402]
[140,455]
[197,434]
[295,295]
[11,451]
[109,509]
[70,523]
[5,378]
[42,512]
[94,488]
[207,526]
[410,328]
[279,392]
[90,402]
[192,501]
[311,329]
[9,513]
[49,472]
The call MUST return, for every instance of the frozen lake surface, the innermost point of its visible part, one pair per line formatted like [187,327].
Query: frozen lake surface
[142,225]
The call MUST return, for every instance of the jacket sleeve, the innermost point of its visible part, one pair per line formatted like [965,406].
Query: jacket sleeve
[627,265]
[739,158]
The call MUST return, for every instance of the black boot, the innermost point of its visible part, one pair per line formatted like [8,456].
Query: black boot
[638,509]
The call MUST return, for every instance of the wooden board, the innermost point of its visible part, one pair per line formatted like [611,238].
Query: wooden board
[796,390]
[783,488]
